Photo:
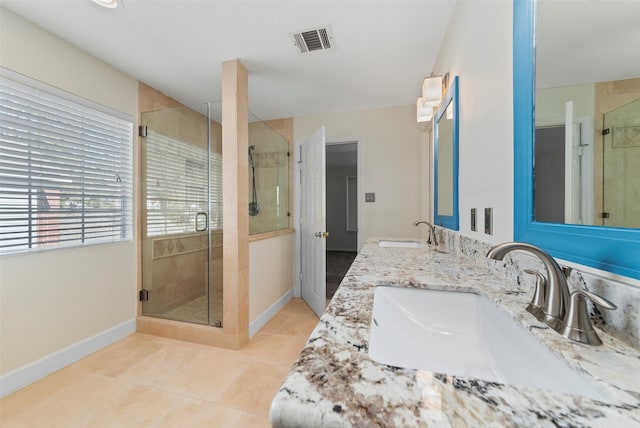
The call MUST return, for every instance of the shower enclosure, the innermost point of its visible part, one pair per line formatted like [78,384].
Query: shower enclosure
[621,163]
[181,214]
[268,178]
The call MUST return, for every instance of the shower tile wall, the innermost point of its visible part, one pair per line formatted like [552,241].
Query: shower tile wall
[610,96]
[272,172]
[178,276]
[178,272]
[215,278]
[270,168]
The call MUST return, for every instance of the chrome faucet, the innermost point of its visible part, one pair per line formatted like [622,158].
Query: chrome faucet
[555,295]
[551,303]
[432,239]
[537,305]
[577,323]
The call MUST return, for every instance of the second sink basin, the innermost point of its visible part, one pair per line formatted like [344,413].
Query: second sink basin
[401,244]
[464,334]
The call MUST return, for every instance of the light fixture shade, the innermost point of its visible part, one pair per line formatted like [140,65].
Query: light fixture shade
[432,91]
[424,114]
[111,4]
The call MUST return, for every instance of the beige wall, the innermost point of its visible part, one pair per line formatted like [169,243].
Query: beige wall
[53,299]
[271,264]
[32,51]
[550,103]
[271,254]
[478,49]
[390,155]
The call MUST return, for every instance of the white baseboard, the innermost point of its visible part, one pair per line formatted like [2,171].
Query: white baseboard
[23,376]
[266,316]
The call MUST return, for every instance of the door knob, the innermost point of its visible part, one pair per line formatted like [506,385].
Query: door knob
[325,234]
[321,234]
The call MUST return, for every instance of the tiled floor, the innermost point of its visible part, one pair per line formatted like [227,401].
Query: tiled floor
[148,381]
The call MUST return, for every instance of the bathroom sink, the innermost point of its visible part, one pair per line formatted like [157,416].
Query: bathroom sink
[402,244]
[464,334]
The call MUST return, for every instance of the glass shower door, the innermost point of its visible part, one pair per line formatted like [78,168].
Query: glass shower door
[176,215]
[268,178]
[621,163]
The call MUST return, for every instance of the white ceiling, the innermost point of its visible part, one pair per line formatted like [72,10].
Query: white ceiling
[383,48]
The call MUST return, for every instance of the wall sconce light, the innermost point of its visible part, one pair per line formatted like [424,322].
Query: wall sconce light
[430,99]
[432,91]
[424,114]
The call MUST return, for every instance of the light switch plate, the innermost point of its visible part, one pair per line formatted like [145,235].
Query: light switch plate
[369,197]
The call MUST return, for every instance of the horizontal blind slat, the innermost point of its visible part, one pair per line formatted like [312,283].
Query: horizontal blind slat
[65,171]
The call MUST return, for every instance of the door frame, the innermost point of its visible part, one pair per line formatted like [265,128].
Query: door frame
[297,291]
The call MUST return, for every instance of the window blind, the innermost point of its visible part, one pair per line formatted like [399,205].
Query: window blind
[178,186]
[65,170]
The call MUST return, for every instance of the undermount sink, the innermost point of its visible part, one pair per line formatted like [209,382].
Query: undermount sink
[464,334]
[402,244]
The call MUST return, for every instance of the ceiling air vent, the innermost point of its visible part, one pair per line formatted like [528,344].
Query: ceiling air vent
[314,40]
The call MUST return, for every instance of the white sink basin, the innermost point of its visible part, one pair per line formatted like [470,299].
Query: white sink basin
[402,244]
[464,334]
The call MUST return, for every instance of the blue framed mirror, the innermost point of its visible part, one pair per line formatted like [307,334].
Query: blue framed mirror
[582,233]
[445,160]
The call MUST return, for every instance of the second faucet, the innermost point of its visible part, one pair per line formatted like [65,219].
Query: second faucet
[432,239]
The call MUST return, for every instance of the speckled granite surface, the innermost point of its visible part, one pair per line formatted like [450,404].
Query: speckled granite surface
[623,323]
[334,383]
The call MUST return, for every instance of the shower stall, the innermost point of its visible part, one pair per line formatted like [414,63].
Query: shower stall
[269,159]
[181,214]
[621,163]
[181,208]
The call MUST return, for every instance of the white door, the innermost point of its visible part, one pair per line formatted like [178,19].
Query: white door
[313,221]
[578,168]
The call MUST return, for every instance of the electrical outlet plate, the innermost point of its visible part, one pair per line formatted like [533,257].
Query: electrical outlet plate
[488,221]
[369,197]
[474,217]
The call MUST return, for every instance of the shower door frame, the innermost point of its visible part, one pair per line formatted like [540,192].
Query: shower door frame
[185,238]
[613,200]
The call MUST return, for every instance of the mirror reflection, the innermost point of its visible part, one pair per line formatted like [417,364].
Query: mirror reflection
[587,113]
[445,162]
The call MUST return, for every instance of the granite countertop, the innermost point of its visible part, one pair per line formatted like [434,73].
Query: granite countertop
[334,382]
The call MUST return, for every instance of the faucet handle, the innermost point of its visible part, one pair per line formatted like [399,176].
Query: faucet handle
[598,300]
[536,306]
[577,323]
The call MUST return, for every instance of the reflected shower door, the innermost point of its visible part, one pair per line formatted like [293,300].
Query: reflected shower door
[268,178]
[178,244]
[621,166]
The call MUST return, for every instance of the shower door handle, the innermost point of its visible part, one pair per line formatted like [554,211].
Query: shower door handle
[199,218]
